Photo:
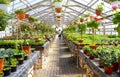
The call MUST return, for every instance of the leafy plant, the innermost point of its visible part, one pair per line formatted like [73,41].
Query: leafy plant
[100,6]
[57,0]
[86,48]
[4,17]
[13,62]
[20,11]
[5,2]
[33,19]
[93,24]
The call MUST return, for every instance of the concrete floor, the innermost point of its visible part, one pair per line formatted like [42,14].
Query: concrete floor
[59,62]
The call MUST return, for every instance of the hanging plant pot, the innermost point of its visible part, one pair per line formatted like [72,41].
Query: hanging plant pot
[81,20]
[1,64]
[74,23]
[58,16]
[20,16]
[108,69]
[26,49]
[27,15]
[4,7]
[58,10]
[98,12]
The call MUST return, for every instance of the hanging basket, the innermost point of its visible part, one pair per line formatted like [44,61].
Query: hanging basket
[20,16]
[27,15]
[98,12]
[81,20]
[58,16]
[58,10]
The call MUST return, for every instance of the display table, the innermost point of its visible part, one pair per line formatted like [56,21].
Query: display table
[94,66]
[23,69]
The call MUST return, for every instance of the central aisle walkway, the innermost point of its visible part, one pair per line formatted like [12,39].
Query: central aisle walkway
[59,62]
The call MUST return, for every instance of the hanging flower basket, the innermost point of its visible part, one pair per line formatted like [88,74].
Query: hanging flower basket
[27,15]
[81,20]
[58,10]
[58,16]
[98,12]
[20,16]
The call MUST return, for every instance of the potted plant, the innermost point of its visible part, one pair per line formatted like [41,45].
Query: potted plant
[58,6]
[27,15]
[7,68]
[86,49]
[4,17]
[20,13]
[4,5]
[99,8]
[82,29]
[32,19]
[13,62]
[20,61]
[82,19]
[91,53]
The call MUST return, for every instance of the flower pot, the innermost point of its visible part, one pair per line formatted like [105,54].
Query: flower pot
[94,47]
[115,66]
[58,16]
[81,41]
[86,52]
[101,63]
[98,12]
[108,69]
[119,64]
[37,40]
[27,15]
[20,16]
[20,62]
[7,72]
[91,57]
[58,9]
[1,64]
[26,57]
[4,7]
[81,20]
[26,49]
[13,69]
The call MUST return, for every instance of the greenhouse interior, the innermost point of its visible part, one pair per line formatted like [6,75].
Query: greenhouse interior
[59,38]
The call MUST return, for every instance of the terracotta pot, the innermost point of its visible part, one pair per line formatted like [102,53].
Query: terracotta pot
[58,9]
[58,16]
[20,16]
[101,63]
[98,12]
[81,20]
[27,15]
[86,52]
[119,64]
[26,49]
[1,64]
[94,47]
[108,69]
[81,41]
[37,40]
[115,66]
[91,57]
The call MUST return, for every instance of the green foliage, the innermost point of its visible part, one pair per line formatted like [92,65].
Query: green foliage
[112,0]
[20,11]
[4,17]
[33,19]
[100,6]
[87,14]
[116,18]
[5,2]
[93,24]
[118,29]
[13,62]
[86,48]
[57,0]
[82,28]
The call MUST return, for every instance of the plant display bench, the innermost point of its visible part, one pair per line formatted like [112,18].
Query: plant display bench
[92,67]
[26,69]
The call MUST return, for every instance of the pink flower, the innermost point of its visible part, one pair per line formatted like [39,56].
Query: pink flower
[114,7]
